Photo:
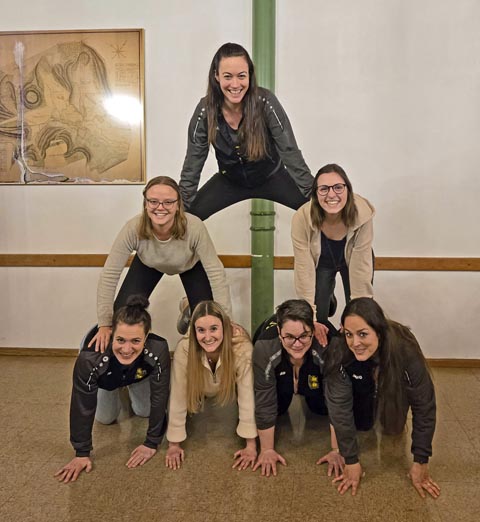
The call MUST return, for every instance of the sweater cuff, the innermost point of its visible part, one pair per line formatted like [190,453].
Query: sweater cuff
[176,434]
[247,430]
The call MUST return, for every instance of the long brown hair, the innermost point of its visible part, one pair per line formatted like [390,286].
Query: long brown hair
[179,228]
[197,373]
[252,132]
[395,343]
[349,211]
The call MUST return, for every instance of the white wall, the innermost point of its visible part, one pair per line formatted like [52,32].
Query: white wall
[388,89]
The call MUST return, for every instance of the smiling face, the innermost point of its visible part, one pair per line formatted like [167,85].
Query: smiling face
[128,341]
[209,333]
[296,338]
[332,203]
[233,78]
[162,218]
[361,338]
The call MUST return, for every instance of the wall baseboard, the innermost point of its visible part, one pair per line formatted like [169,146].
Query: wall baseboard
[72,352]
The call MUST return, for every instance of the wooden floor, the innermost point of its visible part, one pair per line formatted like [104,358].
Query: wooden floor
[34,435]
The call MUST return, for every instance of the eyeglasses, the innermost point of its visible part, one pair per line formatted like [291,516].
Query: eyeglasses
[289,340]
[154,203]
[338,188]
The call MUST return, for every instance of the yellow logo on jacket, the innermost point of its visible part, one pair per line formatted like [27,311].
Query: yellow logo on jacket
[313,382]
[140,374]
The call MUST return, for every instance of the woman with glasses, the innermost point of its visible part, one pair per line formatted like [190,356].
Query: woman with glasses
[254,144]
[214,361]
[286,361]
[331,234]
[166,240]
[374,374]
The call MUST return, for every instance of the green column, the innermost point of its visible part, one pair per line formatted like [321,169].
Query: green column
[262,211]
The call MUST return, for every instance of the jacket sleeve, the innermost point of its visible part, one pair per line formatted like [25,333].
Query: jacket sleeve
[212,265]
[421,397]
[304,264]
[177,408]
[360,265]
[265,384]
[83,405]
[123,246]
[339,397]
[159,392]
[197,152]
[246,401]
[284,139]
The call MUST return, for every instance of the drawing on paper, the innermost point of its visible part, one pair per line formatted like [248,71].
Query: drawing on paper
[71,107]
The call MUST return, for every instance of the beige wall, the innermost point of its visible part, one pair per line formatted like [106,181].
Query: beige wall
[387,89]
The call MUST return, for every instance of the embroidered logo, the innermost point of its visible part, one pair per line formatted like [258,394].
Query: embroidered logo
[282,373]
[359,377]
[313,382]
[140,374]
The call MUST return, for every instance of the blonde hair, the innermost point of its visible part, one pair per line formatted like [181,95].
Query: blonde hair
[197,373]
[179,228]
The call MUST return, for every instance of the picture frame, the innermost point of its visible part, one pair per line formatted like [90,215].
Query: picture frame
[72,107]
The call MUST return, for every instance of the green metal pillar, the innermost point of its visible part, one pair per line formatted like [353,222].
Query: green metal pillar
[262,211]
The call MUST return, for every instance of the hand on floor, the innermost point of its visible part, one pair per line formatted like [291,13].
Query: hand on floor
[71,471]
[140,456]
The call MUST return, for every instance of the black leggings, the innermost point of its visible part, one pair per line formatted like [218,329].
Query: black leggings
[219,193]
[142,279]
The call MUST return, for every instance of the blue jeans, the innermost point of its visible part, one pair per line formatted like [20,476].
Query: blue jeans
[109,404]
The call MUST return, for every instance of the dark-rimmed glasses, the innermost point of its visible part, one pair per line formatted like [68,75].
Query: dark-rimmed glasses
[154,203]
[338,188]
[289,340]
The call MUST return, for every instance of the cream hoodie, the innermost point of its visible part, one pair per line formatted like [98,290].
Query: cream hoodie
[358,251]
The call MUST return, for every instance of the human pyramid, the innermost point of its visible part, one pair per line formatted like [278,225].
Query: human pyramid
[369,372]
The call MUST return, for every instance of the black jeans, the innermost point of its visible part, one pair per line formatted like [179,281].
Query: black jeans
[142,279]
[325,287]
[220,192]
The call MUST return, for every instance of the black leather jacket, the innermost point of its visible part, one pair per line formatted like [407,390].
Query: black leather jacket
[273,374]
[94,370]
[283,152]
[354,377]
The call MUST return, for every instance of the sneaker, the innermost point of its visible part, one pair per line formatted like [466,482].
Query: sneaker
[183,320]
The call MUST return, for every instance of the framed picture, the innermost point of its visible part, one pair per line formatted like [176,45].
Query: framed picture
[72,107]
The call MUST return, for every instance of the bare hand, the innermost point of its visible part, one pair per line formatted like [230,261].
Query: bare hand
[421,480]
[175,456]
[245,458]
[268,461]
[71,471]
[140,456]
[101,338]
[352,473]
[320,333]
[335,462]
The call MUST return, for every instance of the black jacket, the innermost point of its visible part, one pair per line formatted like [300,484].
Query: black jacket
[283,152]
[354,377]
[273,375]
[95,370]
